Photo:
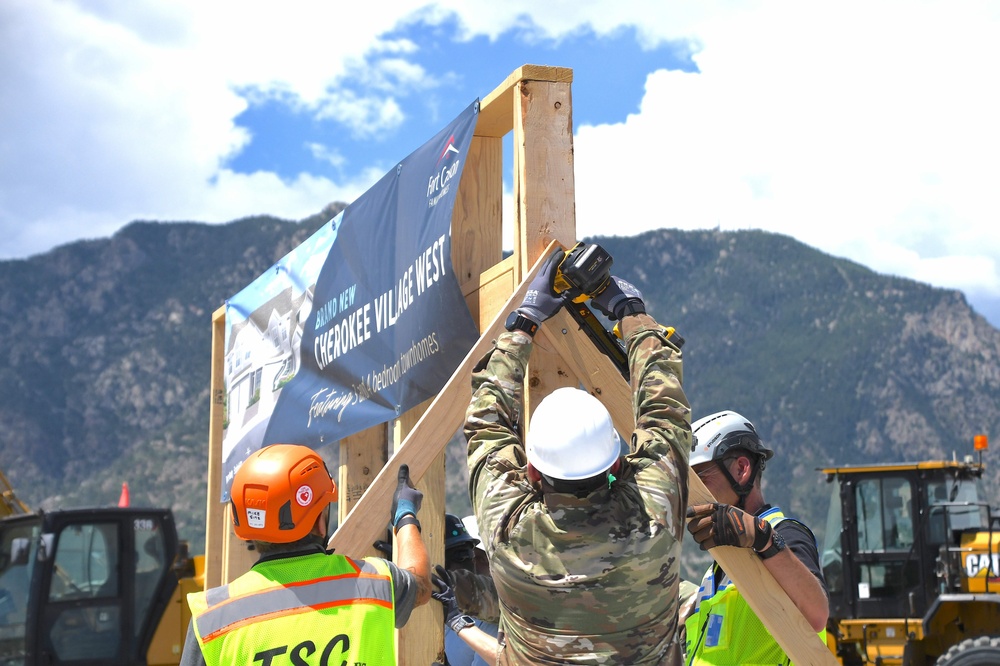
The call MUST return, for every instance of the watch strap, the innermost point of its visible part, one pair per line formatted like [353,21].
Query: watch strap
[408,519]
[518,322]
[777,545]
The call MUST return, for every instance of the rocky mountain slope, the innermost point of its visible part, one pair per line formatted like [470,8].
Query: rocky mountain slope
[105,350]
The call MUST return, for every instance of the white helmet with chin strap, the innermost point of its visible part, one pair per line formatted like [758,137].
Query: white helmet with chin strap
[571,436]
[716,436]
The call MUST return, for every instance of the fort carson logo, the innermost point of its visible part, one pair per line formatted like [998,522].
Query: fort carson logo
[448,150]
[439,183]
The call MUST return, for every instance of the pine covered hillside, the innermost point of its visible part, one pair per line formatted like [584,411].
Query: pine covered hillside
[106,353]
[834,364]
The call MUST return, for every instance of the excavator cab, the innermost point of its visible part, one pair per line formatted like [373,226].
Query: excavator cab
[84,586]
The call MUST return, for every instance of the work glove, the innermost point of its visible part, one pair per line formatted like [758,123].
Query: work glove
[383,547]
[541,302]
[725,525]
[619,298]
[445,593]
[406,501]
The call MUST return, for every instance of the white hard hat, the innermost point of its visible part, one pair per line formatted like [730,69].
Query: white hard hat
[571,436]
[716,435]
[472,527]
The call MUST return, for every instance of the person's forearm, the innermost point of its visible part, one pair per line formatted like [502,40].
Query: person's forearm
[663,414]
[801,587]
[497,385]
[486,646]
[412,556]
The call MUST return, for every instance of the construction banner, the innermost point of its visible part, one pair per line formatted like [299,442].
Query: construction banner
[361,322]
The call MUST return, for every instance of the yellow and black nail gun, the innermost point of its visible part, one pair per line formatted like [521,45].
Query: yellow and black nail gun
[584,273]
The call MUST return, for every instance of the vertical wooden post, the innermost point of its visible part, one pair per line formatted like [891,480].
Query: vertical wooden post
[544,202]
[362,457]
[422,639]
[216,526]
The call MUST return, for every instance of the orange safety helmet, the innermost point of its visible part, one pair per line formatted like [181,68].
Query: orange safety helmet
[279,492]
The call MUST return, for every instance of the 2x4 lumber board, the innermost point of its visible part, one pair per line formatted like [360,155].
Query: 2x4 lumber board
[544,199]
[496,110]
[596,372]
[544,195]
[765,596]
[362,455]
[427,439]
[487,294]
[477,218]
[422,639]
[215,515]
[768,599]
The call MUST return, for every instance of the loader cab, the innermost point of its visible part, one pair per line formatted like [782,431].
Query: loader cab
[85,586]
[887,528]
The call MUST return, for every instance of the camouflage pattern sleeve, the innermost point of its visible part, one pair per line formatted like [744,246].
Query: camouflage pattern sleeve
[493,420]
[476,595]
[662,411]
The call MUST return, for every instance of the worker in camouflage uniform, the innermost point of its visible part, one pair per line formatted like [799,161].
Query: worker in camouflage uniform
[584,543]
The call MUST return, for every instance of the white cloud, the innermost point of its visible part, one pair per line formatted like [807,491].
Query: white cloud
[121,111]
[865,129]
[869,135]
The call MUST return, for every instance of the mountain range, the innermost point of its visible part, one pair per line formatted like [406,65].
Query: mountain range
[106,348]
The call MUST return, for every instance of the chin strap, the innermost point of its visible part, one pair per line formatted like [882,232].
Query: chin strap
[742,491]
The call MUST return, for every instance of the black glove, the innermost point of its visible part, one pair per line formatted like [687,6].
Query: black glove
[406,501]
[383,547]
[446,595]
[619,298]
[541,302]
[724,525]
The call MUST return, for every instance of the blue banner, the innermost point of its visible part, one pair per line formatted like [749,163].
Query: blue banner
[361,322]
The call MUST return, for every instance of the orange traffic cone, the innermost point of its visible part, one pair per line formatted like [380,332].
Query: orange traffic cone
[124,499]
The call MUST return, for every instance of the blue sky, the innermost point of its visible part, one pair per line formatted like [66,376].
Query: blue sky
[865,129]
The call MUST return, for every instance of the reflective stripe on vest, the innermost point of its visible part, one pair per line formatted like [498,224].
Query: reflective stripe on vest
[723,630]
[328,606]
[224,614]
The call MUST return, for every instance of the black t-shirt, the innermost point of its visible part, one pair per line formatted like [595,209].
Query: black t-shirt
[800,540]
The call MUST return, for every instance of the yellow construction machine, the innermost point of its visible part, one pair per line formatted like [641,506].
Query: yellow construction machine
[912,562]
[96,586]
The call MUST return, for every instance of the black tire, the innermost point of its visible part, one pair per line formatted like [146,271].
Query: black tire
[979,651]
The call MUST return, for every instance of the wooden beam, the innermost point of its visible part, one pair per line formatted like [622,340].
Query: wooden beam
[476,221]
[427,439]
[496,110]
[767,599]
[215,515]
[422,639]
[362,456]
[600,376]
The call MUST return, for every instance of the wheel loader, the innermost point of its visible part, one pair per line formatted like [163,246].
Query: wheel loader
[92,587]
[912,565]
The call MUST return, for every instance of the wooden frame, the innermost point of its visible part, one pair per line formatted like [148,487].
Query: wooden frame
[535,104]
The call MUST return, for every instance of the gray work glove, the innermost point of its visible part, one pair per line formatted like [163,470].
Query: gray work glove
[541,302]
[717,524]
[406,501]
[619,299]
[445,593]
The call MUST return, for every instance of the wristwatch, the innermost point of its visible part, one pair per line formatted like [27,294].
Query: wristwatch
[777,545]
[518,322]
[461,622]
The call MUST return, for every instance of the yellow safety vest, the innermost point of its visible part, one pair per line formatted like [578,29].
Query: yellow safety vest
[724,631]
[318,609]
